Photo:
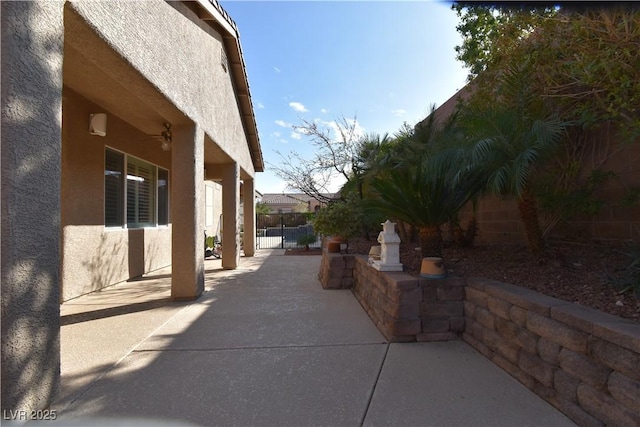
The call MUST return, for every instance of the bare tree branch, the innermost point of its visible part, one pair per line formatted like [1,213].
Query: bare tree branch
[335,143]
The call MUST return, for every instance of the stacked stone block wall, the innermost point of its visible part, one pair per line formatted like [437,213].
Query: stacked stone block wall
[405,308]
[336,270]
[584,362]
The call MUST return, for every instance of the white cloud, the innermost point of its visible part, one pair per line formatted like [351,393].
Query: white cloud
[358,131]
[259,105]
[323,110]
[297,106]
[276,69]
[296,135]
[276,134]
[282,123]
[399,112]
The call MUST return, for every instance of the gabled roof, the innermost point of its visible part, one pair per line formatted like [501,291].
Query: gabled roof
[282,199]
[211,11]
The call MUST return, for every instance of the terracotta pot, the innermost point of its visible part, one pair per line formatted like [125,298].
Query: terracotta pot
[333,247]
[432,268]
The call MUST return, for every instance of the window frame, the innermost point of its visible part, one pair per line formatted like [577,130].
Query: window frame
[124,194]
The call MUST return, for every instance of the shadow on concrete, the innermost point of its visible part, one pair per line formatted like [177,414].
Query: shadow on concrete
[70,319]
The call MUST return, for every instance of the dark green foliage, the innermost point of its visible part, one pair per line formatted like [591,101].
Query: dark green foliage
[579,200]
[340,218]
[306,240]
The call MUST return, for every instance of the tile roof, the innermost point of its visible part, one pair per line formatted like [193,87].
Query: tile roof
[287,198]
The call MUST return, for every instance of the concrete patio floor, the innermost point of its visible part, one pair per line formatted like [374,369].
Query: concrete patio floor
[265,345]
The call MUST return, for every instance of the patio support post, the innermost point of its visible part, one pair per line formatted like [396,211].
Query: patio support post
[249,200]
[32,54]
[230,216]
[187,222]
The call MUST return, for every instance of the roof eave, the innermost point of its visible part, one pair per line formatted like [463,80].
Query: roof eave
[211,10]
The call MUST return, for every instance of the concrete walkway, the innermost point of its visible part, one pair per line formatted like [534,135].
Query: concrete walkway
[266,346]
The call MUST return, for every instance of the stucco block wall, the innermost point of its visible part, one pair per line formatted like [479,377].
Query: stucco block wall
[174,42]
[499,220]
[32,34]
[95,256]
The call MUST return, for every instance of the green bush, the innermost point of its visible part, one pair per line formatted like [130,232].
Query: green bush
[306,240]
[340,218]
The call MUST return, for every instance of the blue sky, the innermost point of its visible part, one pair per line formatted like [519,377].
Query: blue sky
[383,63]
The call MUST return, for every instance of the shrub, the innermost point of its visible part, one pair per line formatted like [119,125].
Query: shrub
[306,240]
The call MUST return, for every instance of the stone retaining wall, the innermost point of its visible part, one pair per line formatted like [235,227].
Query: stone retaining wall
[403,307]
[336,270]
[584,362]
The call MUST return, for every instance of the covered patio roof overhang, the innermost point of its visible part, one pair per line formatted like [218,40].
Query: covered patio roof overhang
[95,70]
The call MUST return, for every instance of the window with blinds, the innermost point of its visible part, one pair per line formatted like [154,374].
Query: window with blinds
[163,196]
[113,189]
[142,193]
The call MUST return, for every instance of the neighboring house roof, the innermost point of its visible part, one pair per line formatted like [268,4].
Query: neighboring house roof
[210,10]
[282,199]
[290,198]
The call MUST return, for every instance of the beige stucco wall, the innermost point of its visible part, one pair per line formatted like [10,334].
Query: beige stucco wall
[181,56]
[94,256]
[32,55]
[499,219]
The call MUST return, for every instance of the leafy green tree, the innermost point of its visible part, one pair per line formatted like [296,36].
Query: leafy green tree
[340,218]
[262,208]
[490,32]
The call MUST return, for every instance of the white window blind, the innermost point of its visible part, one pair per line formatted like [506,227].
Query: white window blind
[142,192]
[141,188]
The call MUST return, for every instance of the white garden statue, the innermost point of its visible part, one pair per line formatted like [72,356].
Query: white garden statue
[389,249]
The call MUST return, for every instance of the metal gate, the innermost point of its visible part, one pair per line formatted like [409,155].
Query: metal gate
[284,230]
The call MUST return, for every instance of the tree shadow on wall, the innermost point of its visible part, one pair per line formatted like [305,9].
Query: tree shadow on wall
[101,266]
[31,170]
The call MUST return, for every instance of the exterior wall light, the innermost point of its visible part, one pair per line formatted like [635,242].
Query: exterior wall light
[166,137]
[98,124]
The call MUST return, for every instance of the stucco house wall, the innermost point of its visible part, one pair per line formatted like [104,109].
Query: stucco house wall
[144,64]
[182,58]
[95,256]
[203,94]
[31,156]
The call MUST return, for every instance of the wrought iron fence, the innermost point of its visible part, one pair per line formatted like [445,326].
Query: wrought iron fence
[284,230]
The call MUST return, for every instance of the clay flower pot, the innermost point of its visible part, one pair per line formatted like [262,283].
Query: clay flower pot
[333,247]
[432,268]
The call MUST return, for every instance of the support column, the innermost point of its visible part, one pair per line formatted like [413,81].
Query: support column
[32,52]
[230,216]
[187,221]
[249,237]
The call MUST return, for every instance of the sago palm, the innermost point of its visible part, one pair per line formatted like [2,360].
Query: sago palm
[427,194]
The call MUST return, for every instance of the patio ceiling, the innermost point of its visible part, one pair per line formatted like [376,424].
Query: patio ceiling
[94,70]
